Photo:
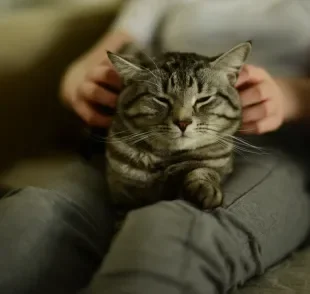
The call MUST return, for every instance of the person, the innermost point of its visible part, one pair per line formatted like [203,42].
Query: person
[60,240]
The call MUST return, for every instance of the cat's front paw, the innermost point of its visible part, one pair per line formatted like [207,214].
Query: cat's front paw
[203,192]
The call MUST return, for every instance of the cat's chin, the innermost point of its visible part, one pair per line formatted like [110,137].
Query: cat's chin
[184,143]
[175,144]
[187,143]
[181,143]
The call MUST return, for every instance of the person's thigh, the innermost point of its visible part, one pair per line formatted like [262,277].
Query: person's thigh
[52,240]
[172,247]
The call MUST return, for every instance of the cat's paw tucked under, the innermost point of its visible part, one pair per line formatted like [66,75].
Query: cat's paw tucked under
[202,191]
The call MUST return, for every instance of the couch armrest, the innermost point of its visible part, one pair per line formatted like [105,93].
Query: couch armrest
[36,47]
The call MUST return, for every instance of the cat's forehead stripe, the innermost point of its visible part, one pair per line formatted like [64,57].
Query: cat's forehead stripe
[199,85]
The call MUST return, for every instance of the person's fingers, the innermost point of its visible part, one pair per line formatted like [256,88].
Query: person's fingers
[265,125]
[258,111]
[97,94]
[91,116]
[250,74]
[248,128]
[255,94]
[106,77]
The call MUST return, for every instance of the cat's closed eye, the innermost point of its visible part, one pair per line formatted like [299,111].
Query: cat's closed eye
[162,101]
[204,100]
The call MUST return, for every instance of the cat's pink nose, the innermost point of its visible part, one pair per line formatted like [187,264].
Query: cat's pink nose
[183,124]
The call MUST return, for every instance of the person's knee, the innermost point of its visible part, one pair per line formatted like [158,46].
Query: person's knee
[43,212]
[186,246]
[218,236]
[29,225]
[163,212]
[174,217]
[33,205]
[177,226]
[46,233]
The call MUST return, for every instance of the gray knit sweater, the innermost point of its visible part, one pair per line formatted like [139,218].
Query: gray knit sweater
[279,29]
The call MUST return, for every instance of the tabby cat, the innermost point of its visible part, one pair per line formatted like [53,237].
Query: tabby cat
[172,134]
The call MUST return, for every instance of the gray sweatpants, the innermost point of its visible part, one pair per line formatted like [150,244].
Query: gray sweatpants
[54,240]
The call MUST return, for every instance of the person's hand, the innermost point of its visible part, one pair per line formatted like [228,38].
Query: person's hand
[263,100]
[91,82]
[87,85]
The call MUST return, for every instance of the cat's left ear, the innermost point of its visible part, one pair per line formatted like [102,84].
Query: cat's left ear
[232,61]
[126,67]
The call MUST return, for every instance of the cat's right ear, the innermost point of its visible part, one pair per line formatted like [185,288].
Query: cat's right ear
[231,62]
[126,68]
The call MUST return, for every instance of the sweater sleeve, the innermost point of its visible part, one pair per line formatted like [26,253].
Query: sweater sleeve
[140,17]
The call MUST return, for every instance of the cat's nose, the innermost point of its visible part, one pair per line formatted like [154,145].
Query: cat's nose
[183,124]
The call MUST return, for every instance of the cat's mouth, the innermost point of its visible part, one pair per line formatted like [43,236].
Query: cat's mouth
[180,136]
[183,135]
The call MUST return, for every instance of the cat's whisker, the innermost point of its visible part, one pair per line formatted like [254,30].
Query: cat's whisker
[151,59]
[98,140]
[240,130]
[244,142]
[148,57]
[129,138]
[238,140]
[120,132]
[156,77]
[246,130]
[140,137]
[241,154]
[146,69]
[248,147]
[144,138]
[238,145]
[247,150]
[238,150]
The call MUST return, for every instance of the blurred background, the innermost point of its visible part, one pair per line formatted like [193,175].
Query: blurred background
[39,40]
[11,5]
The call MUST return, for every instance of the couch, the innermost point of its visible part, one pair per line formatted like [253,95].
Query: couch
[39,136]
[37,132]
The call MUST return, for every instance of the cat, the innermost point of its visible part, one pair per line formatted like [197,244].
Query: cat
[172,133]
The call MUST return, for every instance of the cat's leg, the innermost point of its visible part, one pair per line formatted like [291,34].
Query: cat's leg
[202,187]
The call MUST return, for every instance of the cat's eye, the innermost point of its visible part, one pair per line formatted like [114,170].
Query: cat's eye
[162,100]
[204,99]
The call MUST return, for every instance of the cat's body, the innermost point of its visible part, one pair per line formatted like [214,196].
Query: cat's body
[172,132]
[139,175]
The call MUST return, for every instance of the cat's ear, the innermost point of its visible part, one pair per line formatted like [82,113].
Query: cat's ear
[125,66]
[232,61]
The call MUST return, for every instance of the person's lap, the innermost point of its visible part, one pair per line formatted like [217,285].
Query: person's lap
[173,248]
[54,240]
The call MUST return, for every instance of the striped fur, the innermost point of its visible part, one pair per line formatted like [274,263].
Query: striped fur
[172,132]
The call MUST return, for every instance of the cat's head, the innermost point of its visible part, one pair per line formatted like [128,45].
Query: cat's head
[181,101]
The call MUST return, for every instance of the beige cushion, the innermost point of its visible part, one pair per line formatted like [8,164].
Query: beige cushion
[36,47]
[37,171]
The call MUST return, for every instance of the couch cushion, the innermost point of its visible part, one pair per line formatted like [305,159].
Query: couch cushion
[37,45]
[37,171]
